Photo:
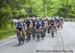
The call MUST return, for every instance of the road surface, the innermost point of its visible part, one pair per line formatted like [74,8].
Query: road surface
[63,40]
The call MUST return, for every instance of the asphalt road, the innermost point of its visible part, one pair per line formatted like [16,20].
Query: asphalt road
[63,40]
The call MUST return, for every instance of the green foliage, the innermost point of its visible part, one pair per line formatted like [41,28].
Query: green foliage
[5,15]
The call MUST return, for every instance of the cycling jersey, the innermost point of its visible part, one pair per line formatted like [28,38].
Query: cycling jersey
[24,24]
[28,23]
[42,22]
[59,21]
[19,26]
[37,24]
[33,21]
[52,22]
[46,22]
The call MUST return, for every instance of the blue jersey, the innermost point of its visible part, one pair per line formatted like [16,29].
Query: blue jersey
[59,20]
[19,25]
[43,23]
[24,24]
[46,22]
[38,24]
[30,21]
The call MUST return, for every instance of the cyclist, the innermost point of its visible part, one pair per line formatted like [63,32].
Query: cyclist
[33,31]
[37,29]
[61,22]
[28,33]
[52,24]
[19,27]
[46,24]
[24,29]
[42,29]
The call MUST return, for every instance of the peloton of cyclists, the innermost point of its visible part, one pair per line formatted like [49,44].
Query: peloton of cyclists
[37,28]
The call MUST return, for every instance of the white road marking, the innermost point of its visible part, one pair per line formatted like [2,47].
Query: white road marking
[7,42]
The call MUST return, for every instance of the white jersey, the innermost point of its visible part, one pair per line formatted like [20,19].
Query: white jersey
[46,22]
[40,22]
[30,21]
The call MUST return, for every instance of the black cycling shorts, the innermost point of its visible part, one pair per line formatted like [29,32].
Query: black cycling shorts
[33,25]
[28,25]
[37,27]
[43,26]
[19,29]
[52,24]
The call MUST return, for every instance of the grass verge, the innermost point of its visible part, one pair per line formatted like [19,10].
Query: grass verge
[5,33]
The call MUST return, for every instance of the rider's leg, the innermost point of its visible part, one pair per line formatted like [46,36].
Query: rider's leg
[33,33]
[43,33]
[38,34]
[19,37]
[52,32]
